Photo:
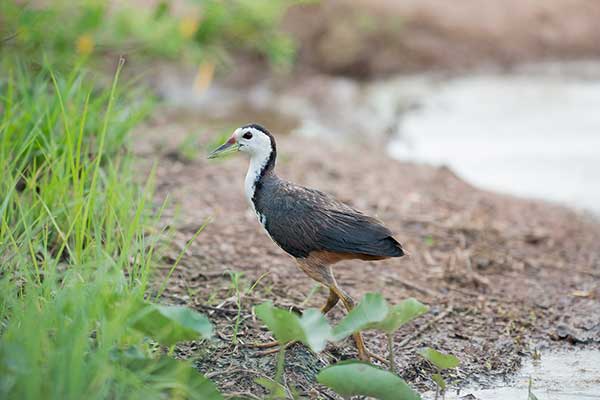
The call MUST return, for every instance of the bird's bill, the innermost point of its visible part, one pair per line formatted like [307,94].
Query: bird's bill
[228,147]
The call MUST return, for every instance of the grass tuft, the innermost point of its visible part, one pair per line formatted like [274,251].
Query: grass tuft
[75,258]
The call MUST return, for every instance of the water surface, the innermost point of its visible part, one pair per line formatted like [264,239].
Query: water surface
[573,375]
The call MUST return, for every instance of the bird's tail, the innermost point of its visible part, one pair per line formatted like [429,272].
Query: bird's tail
[392,248]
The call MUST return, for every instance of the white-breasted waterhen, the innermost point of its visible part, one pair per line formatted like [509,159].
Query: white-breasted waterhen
[311,226]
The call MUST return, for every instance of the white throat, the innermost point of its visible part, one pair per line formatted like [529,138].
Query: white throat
[258,161]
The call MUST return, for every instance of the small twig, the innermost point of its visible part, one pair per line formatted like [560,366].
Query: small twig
[390,341]
[9,37]
[236,395]
[274,350]
[540,264]
[422,329]
[325,394]
[218,309]
[378,358]
[280,364]
[582,271]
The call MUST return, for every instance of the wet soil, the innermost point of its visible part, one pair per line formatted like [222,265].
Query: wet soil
[503,276]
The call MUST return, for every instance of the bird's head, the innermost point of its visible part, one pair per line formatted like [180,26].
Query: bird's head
[252,139]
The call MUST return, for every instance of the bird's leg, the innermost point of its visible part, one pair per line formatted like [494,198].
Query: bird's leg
[363,353]
[332,300]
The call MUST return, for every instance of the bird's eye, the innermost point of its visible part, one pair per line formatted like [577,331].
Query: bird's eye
[247,135]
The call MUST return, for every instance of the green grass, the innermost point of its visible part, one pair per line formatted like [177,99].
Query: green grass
[76,258]
[210,31]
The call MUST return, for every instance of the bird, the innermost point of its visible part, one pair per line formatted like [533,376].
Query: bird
[313,227]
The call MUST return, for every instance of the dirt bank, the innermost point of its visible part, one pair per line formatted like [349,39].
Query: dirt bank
[502,275]
[366,38]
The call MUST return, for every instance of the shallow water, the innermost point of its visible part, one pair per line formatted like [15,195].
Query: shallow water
[533,135]
[573,375]
[534,132]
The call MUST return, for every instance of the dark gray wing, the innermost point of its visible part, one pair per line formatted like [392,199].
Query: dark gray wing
[302,220]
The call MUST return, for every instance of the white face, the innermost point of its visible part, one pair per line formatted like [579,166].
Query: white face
[253,141]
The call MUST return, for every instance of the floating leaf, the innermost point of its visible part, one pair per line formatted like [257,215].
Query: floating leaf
[171,324]
[354,378]
[440,360]
[437,378]
[373,312]
[311,329]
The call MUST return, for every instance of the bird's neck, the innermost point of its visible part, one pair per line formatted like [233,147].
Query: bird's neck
[261,166]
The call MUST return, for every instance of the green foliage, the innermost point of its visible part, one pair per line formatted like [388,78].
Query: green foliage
[440,360]
[171,324]
[354,378]
[348,378]
[311,328]
[439,380]
[373,312]
[189,148]
[400,314]
[76,258]
[168,378]
[67,32]
[530,394]
[276,390]
[253,24]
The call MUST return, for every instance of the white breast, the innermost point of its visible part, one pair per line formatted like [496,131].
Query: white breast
[255,168]
[257,163]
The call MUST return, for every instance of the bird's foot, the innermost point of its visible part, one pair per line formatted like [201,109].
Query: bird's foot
[363,353]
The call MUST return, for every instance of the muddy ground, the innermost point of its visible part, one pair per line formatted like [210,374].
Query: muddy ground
[503,276]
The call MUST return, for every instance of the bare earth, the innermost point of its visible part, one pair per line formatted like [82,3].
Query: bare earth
[503,276]
[374,37]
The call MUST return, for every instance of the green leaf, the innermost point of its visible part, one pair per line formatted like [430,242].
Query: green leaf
[440,360]
[372,309]
[530,395]
[373,312]
[437,378]
[171,324]
[400,314]
[312,328]
[276,390]
[354,378]
[175,379]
